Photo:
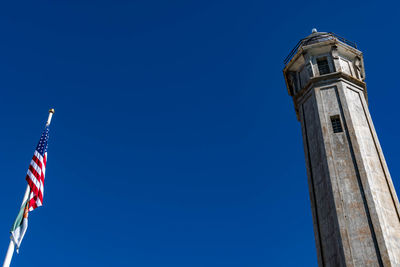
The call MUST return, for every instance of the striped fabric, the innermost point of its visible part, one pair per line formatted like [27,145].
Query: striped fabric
[36,172]
[35,179]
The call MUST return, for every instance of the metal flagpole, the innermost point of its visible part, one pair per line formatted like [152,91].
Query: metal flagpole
[11,246]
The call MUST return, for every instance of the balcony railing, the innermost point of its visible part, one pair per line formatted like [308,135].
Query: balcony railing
[316,39]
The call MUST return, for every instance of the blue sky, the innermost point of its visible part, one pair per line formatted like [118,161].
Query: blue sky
[174,142]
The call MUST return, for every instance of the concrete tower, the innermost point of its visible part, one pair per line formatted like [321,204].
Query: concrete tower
[356,212]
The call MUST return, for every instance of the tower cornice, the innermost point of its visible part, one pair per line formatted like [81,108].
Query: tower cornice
[326,79]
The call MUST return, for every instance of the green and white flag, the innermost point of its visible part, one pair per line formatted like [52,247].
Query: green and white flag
[20,225]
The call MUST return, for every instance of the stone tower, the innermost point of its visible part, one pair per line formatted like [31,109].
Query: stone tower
[356,212]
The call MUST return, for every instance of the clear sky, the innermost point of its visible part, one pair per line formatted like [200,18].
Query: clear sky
[174,142]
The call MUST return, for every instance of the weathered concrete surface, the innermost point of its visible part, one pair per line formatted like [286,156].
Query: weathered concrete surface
[355,208]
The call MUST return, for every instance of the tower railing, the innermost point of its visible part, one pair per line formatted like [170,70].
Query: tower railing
[315,39]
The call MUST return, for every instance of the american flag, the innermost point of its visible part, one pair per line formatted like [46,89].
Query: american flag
[33,197]
[36,172]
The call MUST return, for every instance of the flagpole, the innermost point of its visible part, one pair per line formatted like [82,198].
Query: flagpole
[11,246]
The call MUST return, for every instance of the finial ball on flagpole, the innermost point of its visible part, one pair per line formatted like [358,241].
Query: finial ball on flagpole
[52,110]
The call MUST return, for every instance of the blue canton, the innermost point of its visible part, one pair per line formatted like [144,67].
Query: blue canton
[42,145]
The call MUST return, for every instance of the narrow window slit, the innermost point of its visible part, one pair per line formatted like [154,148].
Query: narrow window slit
[336,124]
[323,65]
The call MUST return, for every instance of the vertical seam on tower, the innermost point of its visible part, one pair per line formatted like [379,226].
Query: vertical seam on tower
[371,226]
[313,188]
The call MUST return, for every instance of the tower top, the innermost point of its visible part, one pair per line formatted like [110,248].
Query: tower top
[321,56]
[317,37]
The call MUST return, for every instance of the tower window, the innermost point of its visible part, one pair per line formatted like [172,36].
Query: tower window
[323,65]
[336,124]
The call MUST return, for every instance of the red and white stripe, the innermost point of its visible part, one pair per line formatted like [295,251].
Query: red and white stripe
[35,179]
